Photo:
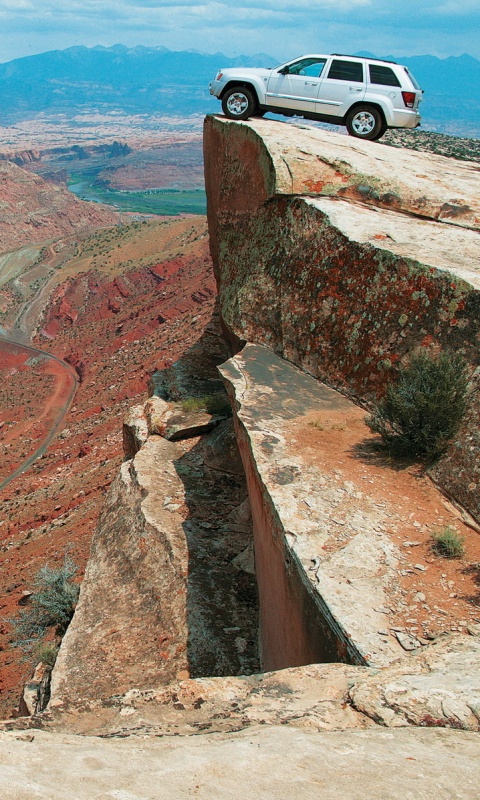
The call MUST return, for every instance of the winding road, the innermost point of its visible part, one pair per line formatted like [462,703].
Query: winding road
[16,354]
[51,416]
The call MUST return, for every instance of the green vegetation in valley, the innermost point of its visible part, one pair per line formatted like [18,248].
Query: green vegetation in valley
[168,202]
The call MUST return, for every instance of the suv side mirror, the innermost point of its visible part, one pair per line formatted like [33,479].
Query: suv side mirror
[284,71]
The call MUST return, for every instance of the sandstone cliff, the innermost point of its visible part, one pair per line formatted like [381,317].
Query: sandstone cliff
[168,589]
[343,257]
[314,280]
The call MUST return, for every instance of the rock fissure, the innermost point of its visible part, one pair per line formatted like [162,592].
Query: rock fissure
[353,637]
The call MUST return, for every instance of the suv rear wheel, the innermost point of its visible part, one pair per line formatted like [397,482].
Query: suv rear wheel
[365,122]
[239,103]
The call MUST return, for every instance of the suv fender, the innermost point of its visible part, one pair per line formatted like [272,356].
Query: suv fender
[381,107]
[256,87]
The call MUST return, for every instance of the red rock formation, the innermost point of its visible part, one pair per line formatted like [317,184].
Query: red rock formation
[54,506]
[34,210]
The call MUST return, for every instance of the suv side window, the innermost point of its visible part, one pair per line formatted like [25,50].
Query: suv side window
[312,67]
[346,71]
[384,76]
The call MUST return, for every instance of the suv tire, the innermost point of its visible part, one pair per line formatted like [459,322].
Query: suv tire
[365,122]
[239,103]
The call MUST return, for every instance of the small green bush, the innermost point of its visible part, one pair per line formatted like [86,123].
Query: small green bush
[448,543]
[213,403]
[52,604]
[421,412]
[47,653]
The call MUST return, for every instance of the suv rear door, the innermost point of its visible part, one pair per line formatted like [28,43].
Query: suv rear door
[344,84]
[383,81]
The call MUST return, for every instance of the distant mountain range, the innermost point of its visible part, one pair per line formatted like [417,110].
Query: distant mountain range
[138,80]
[143,80]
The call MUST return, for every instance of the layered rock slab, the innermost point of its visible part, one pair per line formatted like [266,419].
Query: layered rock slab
[348,281]
[313,697]
[439,687]
[132,606]
[312,607]
[169,589]
[300,160]
[339,576]
[261,763]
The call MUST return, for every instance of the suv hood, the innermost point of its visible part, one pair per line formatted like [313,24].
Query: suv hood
[246,70]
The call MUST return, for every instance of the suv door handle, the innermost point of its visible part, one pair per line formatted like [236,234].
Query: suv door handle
[311,83]
[355,89]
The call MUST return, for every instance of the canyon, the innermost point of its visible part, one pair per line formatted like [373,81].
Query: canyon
[103,287]
[263,579]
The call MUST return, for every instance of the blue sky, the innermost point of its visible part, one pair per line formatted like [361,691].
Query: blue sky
[282,28]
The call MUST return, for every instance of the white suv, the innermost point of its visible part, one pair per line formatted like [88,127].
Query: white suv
[365,94]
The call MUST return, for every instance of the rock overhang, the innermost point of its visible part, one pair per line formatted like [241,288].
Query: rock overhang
[301,160]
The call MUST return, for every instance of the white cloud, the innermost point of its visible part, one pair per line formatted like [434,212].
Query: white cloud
[280,27]
[459,9]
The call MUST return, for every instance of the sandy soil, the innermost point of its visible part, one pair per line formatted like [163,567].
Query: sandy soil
[433,594]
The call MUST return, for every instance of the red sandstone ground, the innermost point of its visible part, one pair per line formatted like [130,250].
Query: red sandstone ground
[132,301]
[414,508]
[33,391]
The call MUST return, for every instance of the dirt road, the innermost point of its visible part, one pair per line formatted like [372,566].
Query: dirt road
[47,392]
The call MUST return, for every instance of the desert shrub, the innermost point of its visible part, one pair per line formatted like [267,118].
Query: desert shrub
[423,409]
[448,543]
[47,653]
[52,604]
[213,403]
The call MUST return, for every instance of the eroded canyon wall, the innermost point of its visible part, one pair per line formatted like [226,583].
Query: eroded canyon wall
[34,210]
[344,257]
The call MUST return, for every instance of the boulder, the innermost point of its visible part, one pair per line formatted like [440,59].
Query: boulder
[438,687]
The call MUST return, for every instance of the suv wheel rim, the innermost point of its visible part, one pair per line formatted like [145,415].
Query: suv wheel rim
[363,123]
[237,103]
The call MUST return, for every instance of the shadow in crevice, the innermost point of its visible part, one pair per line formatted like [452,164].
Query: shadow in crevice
[195,373]
[473,570]
[222,601]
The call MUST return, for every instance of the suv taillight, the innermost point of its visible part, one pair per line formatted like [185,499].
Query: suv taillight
[409,99]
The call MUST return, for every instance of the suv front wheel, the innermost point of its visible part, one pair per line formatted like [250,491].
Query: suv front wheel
[239,103]
[365,122]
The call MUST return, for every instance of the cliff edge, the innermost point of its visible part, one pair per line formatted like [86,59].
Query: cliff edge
[343,257]
[333,258]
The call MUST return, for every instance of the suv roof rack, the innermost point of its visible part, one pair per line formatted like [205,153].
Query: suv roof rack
[365,58]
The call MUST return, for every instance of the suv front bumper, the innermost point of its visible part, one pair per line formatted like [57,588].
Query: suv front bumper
[215,88]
